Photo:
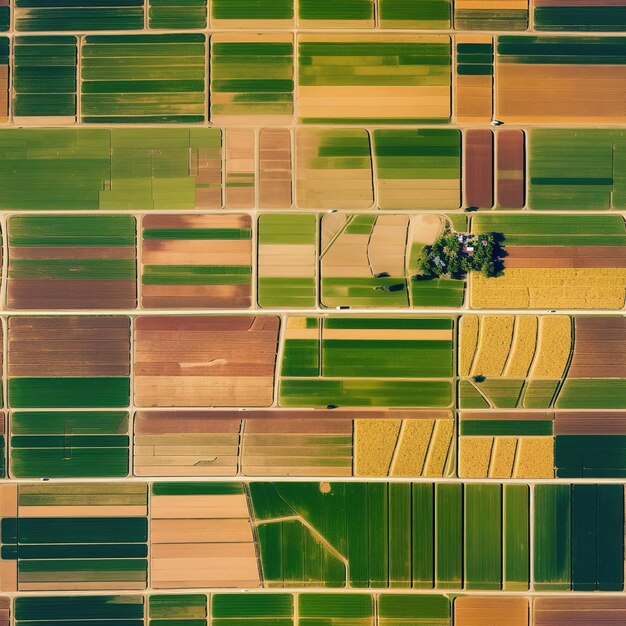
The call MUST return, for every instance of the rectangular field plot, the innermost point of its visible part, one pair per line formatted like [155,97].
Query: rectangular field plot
[205,361]
[44,80]
[478,149]
[193,261]
[509,610]
[586,610]
[474,78]
[117,169]
[590,444]
[252,79]
[336,13]
[381,79]
[72,262]
[180,609]
[579,537]
[366,362]
[77,444]
[5,15]
[577,170]
[4,79]
[81,15]
[561,80]
[143,79]
[418,169]
[556,261]
[93,610]
[506,444]
[252,14]
[371,261]
[414,14]
[76,537]
[334,169]
[176,15]
[69,362]
[489,15]
[287,260]
[399,535]
[254,609]
[586,15]
[201,536]
[275,168]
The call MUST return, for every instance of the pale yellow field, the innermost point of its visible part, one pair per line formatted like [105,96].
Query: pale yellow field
[523,348]
[543,288]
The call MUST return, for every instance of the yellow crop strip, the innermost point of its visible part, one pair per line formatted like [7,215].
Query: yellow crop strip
[494,344]
[554,347]
[468,341]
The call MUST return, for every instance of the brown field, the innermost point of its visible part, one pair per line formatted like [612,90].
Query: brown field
[205,361]
[240,176]
[495,611]
[565,256]
[74,346]
[542,93]
[202,541]
[579,611]
[590,422]
[275,171]
[600,348]
[478,176]
[511,163]
[8,508]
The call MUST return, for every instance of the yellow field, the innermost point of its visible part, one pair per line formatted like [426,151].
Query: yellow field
[468,340]
[540,288]
[494,344]
[524,344]
[555,346]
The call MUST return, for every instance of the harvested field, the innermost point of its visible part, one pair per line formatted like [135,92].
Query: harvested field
[600,348]
[205,361]
[474,78]
[478,175]
[67,362]
[275,169]
[550,80]
[240,174]
[500,611]
[511,169]
[201,536]
[365,94]
[191,261]
[583,611]
[565,257]
[72,262]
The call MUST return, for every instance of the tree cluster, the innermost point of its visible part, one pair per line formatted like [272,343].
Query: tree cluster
[454,255]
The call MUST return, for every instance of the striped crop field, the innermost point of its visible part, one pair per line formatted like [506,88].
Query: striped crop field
[72,262]
[367,362]
[175,15]
[381,79]
[252,14]
[252,75]
[590,15]
[562,261]
[196,261]
[143,79]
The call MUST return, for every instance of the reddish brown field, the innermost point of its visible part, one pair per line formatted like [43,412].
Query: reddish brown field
[565,256]
[599,348]
[478,176]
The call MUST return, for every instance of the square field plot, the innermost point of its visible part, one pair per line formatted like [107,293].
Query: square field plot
[378,79]
[143,79]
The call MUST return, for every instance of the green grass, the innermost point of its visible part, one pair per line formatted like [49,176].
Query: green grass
[333,11]
[592,393]
[422,14]
[449,533]
[185,607]
[128,608]
[516,537]
[438,292]
[252,10]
